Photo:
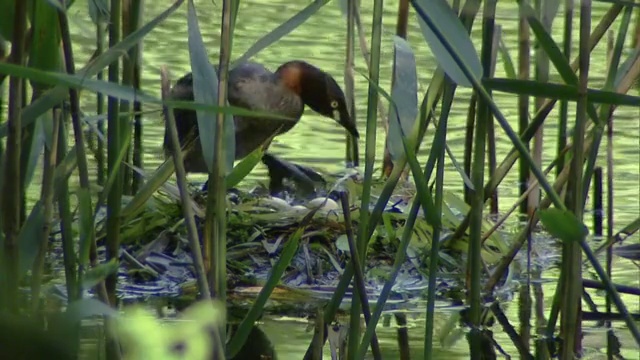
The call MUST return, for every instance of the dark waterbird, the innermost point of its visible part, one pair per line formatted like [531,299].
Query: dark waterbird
[285,92]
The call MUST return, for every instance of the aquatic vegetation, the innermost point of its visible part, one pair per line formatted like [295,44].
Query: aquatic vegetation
[87,225]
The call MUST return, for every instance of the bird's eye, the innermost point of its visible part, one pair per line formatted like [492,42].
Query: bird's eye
[334,104]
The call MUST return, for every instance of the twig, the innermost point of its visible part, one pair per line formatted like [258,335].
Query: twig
[187,211]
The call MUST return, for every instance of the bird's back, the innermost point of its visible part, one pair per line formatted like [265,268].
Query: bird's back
[253,87]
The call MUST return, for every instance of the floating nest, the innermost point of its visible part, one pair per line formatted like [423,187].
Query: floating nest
[156,260]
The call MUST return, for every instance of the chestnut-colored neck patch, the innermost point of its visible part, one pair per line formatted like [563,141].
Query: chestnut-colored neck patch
[291,76]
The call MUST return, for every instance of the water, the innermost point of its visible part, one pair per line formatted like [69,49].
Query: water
[319,142]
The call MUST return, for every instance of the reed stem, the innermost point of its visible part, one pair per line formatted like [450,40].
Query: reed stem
[11,201]
[370,151]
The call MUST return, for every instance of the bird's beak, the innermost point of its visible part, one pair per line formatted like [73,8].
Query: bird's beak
[343,118]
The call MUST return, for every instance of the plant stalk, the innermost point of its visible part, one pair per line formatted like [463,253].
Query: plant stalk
[11,202]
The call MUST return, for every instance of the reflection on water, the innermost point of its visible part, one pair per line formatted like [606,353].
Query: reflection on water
[320,142]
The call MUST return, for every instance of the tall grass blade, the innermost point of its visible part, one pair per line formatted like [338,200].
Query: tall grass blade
[559,91]
[281,31]
[11,207]
[447,22]
[66,163]
[370,150]
[441,136]
[570,283]
[86,226]
[98,10]
[29,238]
[47,194]
[404,94]
[205,90]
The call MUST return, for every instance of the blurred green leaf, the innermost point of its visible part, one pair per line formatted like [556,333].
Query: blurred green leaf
[444,18]
[280,31]
[30,237]
[44,52]
[97,274]
[563,224]
[86,224]
[62,5]
[7,9]
[205,90]
[146,337]
[558,91]
[405,95]
[99,11]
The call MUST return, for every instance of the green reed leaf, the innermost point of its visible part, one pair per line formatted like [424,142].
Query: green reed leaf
[507,61]
[244,167]
[86,224]
[44,52]
[563,224]
[205,86]
[35,150]
[97,274]
[443,17]
[405,95]
[30,236]
[281,31]
[426,200]
[626,66]
[99,11]
[8,9]
[559,91]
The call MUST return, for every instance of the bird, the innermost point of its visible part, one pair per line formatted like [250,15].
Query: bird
[294,85]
